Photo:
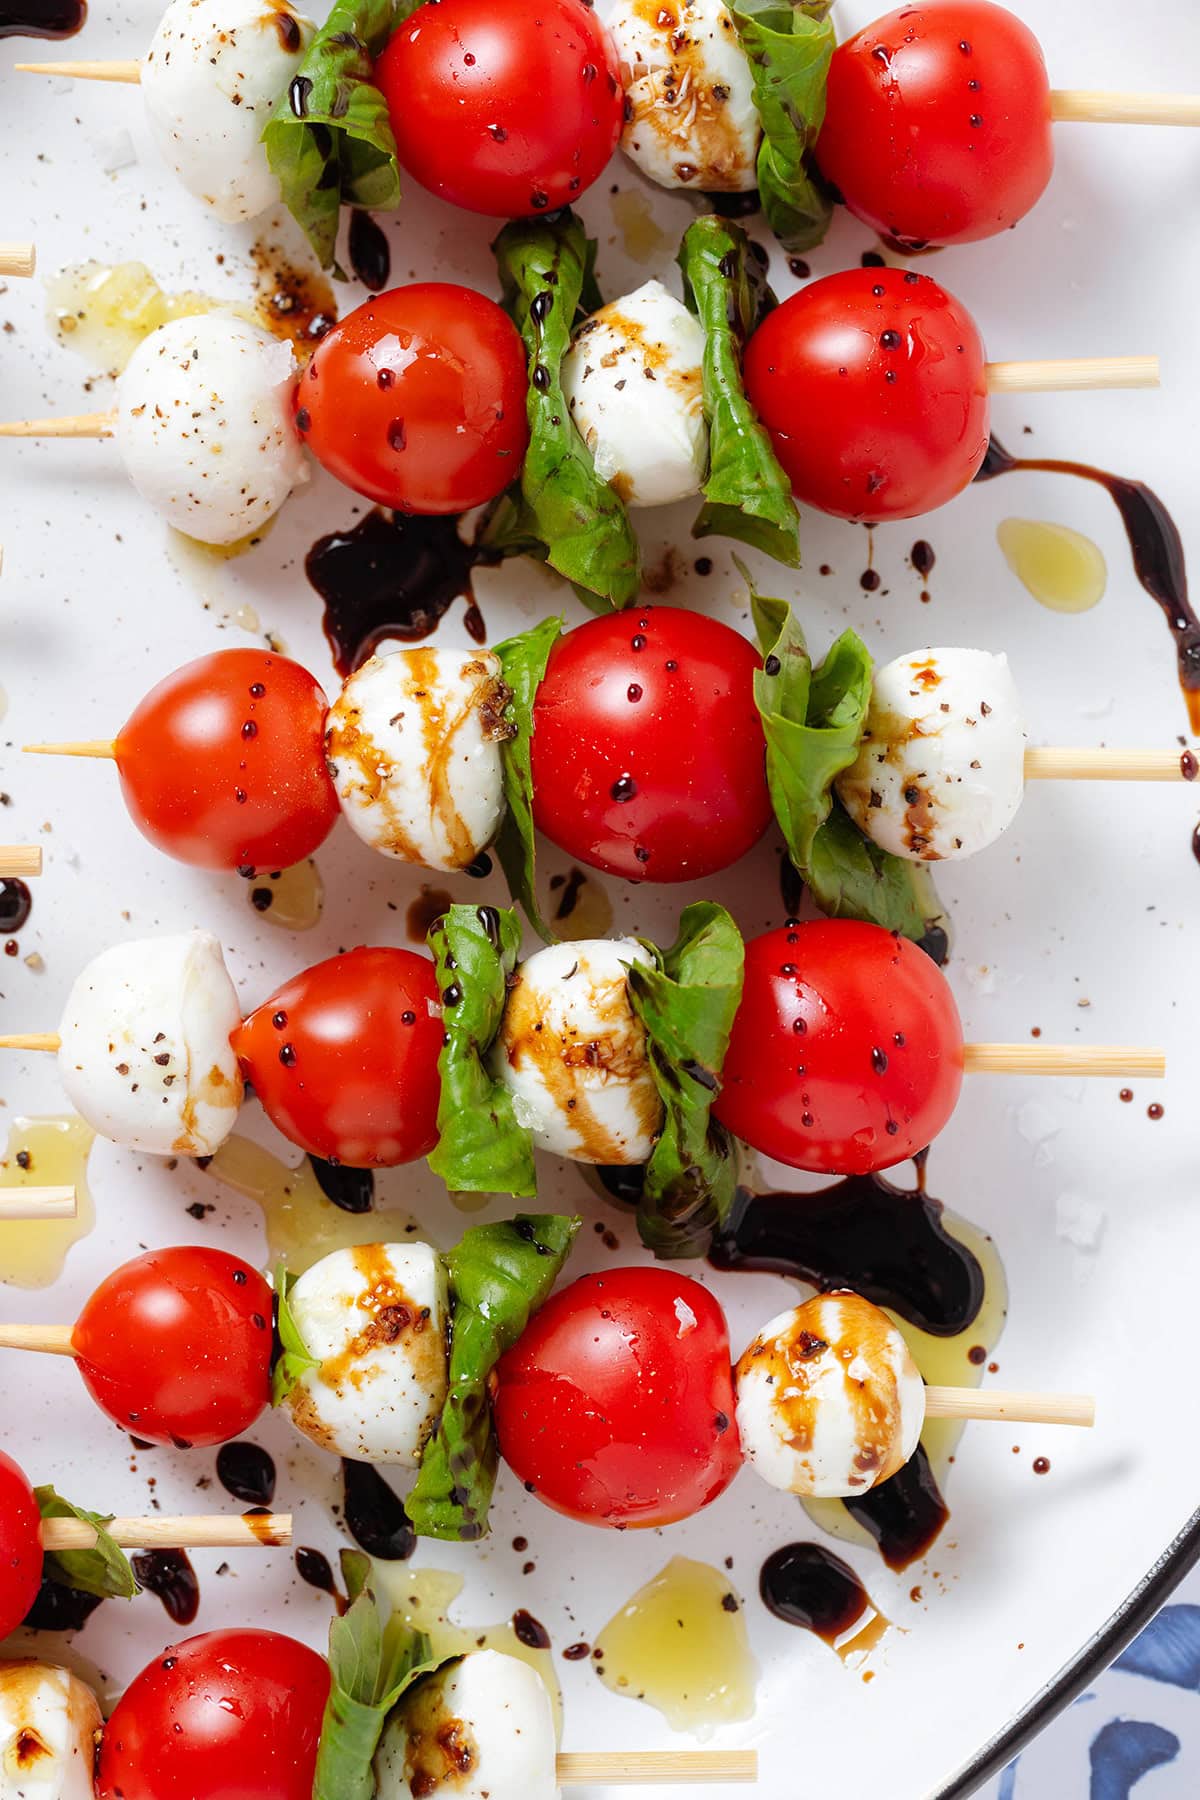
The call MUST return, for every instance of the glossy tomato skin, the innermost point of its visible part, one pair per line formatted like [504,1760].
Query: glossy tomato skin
[223,764]
[227,1715]
[503,109]
[647,750]
[616,1404]
[873,386]
[846,1052]
[417,399]
[175,1346]
[937,124]
[20,1545]
[344,1057]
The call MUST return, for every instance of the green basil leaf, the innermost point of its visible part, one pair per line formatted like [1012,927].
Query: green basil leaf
[293,1359]
[851,877]
[329,140]
[789,44]
[746,493]
[105,1570]
[560,507]
[481,1148]
[499,1275]
[687,1000]
[523,660]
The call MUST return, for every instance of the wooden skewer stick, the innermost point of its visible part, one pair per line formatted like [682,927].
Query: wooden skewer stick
[1092,106]
[38,1203]
[654,1768]
[1051,764]
[51,1340]
[20,859]
[30,1040]
[1015,1409]
[1061,1059]
[200,1531]
[82,425]
[85,71]
[1065,374]
[18,259]
[95,747]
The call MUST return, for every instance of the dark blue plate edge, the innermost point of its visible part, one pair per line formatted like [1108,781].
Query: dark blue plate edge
[1135,1611]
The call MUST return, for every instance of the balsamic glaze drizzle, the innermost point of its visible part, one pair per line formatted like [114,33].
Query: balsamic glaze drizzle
[375,1515]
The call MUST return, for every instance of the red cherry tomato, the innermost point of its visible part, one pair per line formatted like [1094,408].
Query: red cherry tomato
[417,399]
[20,1546]
[846,1052]
[223,763]
[503,109]
[175,1346]
[873,386]
[344,1057]
[616,1404]
[937,123]
[647,750]
[228,1715]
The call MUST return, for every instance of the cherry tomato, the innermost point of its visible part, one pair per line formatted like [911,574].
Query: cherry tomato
[503,109]
[873,386]
[344,1057]
[175,1346]
[616,1403]
[937,123]
[846,1052]
[417,399]
[228,1715]
[20,1546]
[647,751]
[223,763]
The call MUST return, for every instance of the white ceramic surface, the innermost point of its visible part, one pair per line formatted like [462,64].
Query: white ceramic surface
[1082,921]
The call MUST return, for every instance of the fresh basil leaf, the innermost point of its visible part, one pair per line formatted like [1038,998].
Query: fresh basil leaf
[523,661]
[499,1276]
[105,1570]
[746,493]
[560,508]
[293,1358]
[851,877]
[329,140]
[789,44]
[481,1147]
[687,1001]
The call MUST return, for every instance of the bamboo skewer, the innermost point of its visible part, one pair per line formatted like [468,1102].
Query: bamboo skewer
[20,859]
[50,1340]
[198,1531]
[88,747]
[38,1203]
[1045,763]
[654,1768]
[81,425]
[85,71]
[1093,106]
[1062,1059]
[1072,374]
[30,1040]
[1014,1409]
[18,259]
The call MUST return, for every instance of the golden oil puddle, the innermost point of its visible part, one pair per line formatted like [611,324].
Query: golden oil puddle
[642,237]
[580,906]
[33,1251]
[1061,568]
[302,1225]
[680,1644]
[292,898]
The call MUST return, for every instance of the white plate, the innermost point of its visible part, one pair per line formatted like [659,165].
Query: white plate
[1092,897]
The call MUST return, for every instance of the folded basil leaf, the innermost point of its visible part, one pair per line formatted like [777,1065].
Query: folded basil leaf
[292,1357]
[329,140]
[789,45]
[481,1148]
[523,660]
[561,507]
[499,1276]
[372,1664]
[687,1000]
[851,877]
[746,493]
[105,1570]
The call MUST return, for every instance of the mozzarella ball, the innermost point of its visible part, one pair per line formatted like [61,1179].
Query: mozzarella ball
[480,1729]
[376,1315]
[204,425]
[573,1055]
[49,1722]
[213,75]
[413,742]
[633,383]
[690,117]
[941,769]
[829,1400]
[144,1051]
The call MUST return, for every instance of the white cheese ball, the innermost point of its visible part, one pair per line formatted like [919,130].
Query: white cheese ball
[49,1721]
[204,425]
[572,1053]
[213,75]
[144,1051]
[941,769]
[480,1729]
[376,1315]
[633,383]
[413,743]
[690,117]
[829,1400]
